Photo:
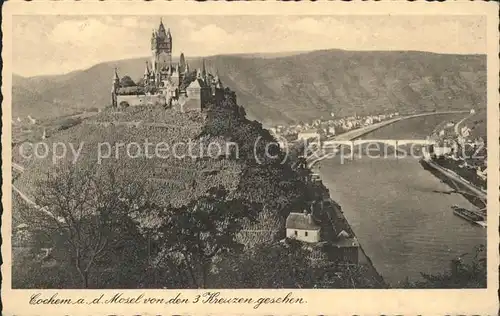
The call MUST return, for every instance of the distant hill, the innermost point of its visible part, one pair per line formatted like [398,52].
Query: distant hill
[290,87]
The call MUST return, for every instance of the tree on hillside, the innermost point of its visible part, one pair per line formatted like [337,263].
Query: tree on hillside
[194,235]
[126,81]
[276,265]
[267,178]
[288,264]
[461,274]
[85,219]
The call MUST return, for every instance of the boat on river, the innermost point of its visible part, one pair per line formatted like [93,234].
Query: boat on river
[470,216]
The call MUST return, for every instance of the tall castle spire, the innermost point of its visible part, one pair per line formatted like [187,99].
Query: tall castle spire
[114,88]
[182,62]
[203,69]
[115,76]
[161,48]
[161,29]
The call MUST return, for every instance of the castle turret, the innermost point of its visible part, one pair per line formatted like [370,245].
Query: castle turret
[169,36]
[161,30]
[203,70]
[182,63]
[115,77]
[198,93]
[114,88]
[217,86]
[217,81]
[175,77]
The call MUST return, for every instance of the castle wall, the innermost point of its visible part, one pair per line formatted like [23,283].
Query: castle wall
[135,100]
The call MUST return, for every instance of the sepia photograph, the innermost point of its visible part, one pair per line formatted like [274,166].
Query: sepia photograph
[185,151]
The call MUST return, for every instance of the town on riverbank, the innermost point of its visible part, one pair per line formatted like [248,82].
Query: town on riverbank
[443,120]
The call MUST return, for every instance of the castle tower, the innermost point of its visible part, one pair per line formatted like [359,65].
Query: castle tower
[161,48]
[198,93]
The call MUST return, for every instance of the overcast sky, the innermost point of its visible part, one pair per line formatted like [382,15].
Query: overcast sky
[59,44]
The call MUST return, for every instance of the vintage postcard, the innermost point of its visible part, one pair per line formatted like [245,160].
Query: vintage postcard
[184,158]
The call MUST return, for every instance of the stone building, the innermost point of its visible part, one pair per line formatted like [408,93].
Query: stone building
[166,83]
[303,227]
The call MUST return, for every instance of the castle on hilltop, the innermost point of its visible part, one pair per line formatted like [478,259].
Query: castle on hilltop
[165,83]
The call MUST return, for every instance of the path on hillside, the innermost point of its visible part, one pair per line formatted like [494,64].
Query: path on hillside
[34,205]
[17,167]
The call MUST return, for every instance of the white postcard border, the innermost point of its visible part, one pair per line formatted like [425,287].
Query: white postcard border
[331,302]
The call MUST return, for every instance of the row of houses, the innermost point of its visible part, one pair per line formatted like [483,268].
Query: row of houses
[461,150]
[329,127]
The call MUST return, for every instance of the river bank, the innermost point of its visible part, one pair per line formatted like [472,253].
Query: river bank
[400,212]
[475,195]
[334,211]
[372,272]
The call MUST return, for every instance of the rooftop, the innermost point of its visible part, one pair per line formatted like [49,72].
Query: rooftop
[345,242]
[301,221]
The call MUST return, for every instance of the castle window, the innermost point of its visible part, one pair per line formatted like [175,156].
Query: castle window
[305,234]
[296,233]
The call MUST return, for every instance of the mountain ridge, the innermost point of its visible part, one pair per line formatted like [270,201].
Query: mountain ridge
[297,87]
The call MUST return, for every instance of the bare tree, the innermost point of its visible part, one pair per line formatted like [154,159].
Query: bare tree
[194,235]
[86,210]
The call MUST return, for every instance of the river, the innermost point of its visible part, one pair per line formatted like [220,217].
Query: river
[404,226]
